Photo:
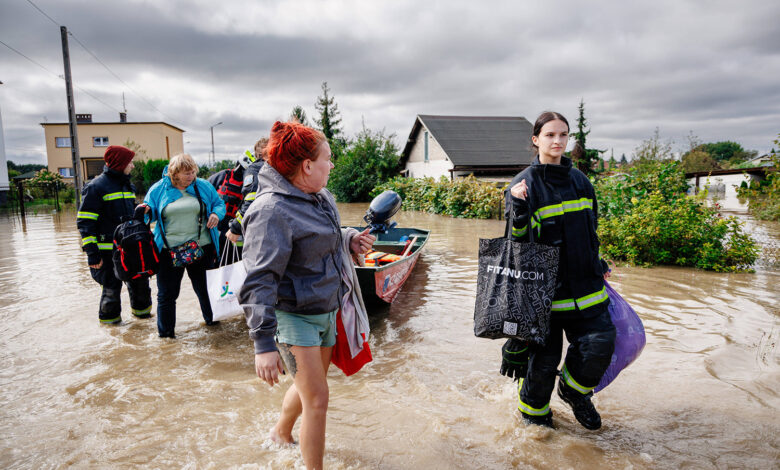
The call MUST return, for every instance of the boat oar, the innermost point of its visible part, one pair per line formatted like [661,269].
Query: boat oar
[409,248]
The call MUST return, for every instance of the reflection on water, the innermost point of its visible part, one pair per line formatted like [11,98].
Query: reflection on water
[75,393]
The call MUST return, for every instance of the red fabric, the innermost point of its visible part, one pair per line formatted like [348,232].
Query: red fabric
[117,157]
[342,357]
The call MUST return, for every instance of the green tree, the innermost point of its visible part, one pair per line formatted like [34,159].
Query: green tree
[371,159]
[695,158]
[583,157]
[653,149]
[329,120]
[298,114]
[24,167]
[623,160]
[728,154]
[204,171]
[698,160]
[140,152]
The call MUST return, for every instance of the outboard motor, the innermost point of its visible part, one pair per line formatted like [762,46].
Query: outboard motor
[381,209]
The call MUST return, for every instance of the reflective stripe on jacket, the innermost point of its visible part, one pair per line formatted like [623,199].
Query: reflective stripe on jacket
[105,200]
[249,192]
[561,210]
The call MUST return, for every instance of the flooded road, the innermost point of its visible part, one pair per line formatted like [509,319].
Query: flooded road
[705,393]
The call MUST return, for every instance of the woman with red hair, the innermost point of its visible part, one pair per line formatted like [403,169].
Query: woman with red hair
[293,253]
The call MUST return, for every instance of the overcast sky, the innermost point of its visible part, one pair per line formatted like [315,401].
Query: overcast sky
[707,67]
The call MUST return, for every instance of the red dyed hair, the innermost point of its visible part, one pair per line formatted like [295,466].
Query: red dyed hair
[290,144]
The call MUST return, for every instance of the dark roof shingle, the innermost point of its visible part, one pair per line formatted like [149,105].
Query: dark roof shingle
[478,140]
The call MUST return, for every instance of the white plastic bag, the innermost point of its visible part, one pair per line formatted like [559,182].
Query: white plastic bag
[223,284]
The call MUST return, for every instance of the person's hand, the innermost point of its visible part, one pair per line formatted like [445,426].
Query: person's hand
[514,359]
[268,365]
[146,211]
[362,242]
[520,190]
[213,221]
[233,237]
[96,266]
[610,265]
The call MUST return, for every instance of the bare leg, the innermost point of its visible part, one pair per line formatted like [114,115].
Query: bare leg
[309,399]
[281,433]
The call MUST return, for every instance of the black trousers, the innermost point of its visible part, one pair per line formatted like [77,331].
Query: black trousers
[110,301]
[591,344]
[169,285]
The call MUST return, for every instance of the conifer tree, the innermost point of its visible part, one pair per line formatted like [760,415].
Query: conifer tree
[298,114]
[329,119]
[584,157]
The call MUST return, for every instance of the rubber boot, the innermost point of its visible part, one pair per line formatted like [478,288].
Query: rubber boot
[583,409]
[544,420]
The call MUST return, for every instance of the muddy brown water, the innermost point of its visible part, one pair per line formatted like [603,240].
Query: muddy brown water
[704,393]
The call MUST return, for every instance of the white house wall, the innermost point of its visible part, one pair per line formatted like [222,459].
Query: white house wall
[722,188]
[437,165]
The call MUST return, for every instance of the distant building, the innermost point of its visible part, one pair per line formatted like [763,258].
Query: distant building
[491,148]
[4,183]
[159,140]
[763,160]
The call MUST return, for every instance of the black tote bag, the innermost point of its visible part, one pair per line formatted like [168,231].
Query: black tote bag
[515,288]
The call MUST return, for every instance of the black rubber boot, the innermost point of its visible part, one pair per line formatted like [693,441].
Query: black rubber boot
[544,420]
[581,405]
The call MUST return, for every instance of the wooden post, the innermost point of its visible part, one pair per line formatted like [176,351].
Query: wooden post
[20,192]
[74,138]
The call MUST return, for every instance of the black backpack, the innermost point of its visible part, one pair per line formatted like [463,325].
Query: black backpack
[135,254]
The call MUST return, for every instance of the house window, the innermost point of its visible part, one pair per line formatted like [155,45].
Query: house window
[100,141]
[62,142]
[94,167]
[66,172]
[426,146]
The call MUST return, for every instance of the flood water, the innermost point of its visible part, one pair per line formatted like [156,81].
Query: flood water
[705,393]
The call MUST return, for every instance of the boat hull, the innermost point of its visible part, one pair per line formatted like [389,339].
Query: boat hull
[382,284]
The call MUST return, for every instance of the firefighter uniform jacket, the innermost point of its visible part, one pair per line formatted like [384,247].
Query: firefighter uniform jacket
[561,210]
[104,201]
[228,184]
[249,192]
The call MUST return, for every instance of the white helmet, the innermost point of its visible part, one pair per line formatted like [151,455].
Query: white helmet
[247,159]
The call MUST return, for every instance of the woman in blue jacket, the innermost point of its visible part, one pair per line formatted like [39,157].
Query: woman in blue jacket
[186,209]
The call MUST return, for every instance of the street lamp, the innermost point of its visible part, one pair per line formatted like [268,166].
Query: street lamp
[213,156]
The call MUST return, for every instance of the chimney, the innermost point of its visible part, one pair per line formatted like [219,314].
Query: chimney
[83,118]
[122,117]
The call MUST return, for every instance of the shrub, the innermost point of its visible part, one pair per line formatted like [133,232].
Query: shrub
[205,171]
[764,197]
[369,160]
[152,172]
[617,193]
[467,197]
[682,231]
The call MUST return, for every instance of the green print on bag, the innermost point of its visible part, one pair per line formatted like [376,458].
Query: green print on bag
[226,290]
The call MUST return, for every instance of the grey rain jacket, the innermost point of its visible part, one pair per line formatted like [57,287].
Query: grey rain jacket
[292,255]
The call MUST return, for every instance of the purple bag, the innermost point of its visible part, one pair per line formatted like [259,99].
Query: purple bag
[630,338]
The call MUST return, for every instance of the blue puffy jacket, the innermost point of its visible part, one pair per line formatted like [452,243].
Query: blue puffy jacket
[163,193]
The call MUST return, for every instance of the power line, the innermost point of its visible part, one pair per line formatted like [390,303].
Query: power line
[102,63]
[43,12]
[59,77]
[118,78]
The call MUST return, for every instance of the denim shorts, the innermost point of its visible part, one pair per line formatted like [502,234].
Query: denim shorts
[306,330]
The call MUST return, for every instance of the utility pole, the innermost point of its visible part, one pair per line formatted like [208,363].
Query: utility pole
[74,137]
[213,155]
